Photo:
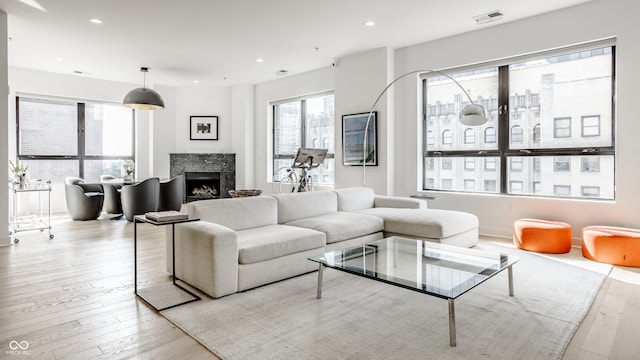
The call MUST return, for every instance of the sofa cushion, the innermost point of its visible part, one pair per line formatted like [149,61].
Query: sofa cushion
[425,223]
[355,198]
[302,205]
[273,241]
[342,225]
[237,213]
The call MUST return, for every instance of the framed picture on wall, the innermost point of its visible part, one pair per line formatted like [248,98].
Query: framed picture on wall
[203,128]
[353,127]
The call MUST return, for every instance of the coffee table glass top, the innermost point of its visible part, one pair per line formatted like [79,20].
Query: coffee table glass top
[440,270]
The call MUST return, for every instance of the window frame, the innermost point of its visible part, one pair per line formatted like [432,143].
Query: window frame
[303,124]
[500,120]
[81,155]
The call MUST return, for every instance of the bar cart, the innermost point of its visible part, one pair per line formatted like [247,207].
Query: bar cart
[41,221]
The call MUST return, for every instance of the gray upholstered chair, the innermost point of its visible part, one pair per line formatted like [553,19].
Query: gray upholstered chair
[84,201]
[112,202]
[171,194]
[140,198]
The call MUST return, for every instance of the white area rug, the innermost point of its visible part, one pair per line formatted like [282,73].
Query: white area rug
[359,318]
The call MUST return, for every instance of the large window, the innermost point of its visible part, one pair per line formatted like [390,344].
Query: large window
[550,130]
[304,122]
[59,138]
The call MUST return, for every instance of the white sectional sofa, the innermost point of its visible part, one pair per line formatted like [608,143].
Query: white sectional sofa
[243,243]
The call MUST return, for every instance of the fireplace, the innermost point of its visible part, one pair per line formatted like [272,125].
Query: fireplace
[216,171]
[202,185]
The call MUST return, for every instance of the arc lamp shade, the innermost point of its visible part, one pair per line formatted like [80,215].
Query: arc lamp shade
[143,99]
[473,115]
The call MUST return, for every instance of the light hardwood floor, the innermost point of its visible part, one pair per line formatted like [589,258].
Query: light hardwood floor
[72,298]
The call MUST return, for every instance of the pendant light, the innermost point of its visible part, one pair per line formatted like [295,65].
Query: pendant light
[143,98]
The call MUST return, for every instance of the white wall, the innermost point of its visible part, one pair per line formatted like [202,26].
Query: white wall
[359,79]
[4,130]
[588,22]
[203,101]
[243,134]
[287,87]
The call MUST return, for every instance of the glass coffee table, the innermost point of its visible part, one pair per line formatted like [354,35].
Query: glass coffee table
[434,269]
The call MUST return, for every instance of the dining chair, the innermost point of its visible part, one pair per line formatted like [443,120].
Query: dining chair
[140,198]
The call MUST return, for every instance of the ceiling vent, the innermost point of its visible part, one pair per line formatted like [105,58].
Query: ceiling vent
[488,17]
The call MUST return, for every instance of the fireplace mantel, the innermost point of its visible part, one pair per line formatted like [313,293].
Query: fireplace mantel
[225,164]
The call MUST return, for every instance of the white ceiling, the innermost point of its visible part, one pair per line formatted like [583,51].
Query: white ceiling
[217,42]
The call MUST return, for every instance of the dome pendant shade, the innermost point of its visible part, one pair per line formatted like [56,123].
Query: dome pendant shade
[473,115]
[143,99]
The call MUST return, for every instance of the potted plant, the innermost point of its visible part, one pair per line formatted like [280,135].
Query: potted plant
[129,167]
[19,173]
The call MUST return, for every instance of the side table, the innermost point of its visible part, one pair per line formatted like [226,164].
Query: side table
[142,219]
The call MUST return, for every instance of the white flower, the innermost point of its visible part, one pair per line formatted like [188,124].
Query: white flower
[129,166]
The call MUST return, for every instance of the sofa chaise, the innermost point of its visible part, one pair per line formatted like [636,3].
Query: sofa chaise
[242,243]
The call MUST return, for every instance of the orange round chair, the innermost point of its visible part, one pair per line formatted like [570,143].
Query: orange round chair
[611,245]
[544,236]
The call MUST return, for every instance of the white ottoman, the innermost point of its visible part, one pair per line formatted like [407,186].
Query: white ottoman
[442,226]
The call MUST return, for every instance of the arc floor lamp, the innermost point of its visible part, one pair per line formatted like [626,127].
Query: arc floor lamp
[471,115]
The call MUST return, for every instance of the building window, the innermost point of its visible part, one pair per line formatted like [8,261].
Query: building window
[562,127]
[430,164]
[490,186]
[562,190]
[516,164]
[469,164]
[515,187]
[590,126]
[469,136]
[298,123]
[447,184]
[516,134]
[536,164]
[61,138]
[562,164]
[469,184]
[446,164]
[429,183]
[447,137]
[530,101]
[536,133]
[430,138]
[537,187]
[591,164]
[490,164]
[590,191]
[490,135]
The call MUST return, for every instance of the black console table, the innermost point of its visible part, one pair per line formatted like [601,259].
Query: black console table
[142,219]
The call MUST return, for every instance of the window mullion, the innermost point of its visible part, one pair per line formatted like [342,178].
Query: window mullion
[81,138]
[503,124]
[303,123]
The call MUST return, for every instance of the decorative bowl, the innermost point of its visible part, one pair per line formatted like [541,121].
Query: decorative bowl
[244,193]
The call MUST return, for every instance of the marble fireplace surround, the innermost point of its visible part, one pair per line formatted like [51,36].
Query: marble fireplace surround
[225,164]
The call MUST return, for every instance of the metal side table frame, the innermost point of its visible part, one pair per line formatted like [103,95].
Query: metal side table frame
[142,219]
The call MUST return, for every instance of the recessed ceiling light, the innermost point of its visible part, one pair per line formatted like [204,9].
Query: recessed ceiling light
[59,59]
[370,23]
[196,81]
[259,60]
[95,21]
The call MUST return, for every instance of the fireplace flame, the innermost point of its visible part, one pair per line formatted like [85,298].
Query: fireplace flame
[204,190]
